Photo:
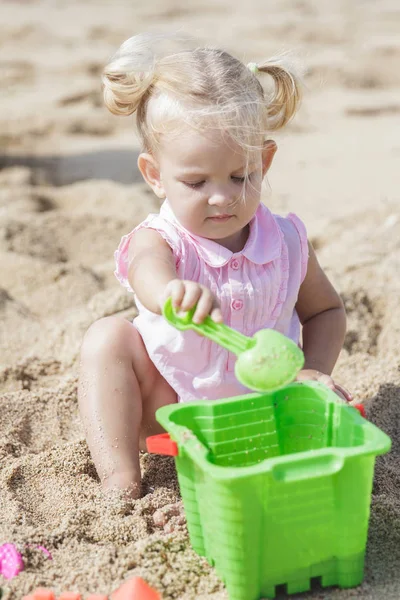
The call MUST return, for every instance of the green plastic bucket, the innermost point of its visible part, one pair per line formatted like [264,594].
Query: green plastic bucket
[276,487]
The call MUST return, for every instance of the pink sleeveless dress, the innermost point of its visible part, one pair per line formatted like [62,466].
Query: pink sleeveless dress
[257,288]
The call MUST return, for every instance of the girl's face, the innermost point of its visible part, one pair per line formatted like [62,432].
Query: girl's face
[204,179]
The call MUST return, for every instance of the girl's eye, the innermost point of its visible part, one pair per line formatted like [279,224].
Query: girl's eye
[195,185]
[198,184]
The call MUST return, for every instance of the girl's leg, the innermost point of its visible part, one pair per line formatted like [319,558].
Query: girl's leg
[119,392]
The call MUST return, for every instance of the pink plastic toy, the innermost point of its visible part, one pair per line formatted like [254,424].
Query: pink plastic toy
[11,563]
[42,548]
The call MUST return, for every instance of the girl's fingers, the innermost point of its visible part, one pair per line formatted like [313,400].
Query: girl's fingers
[310,374]
[343,392]
[187,294]
[313,375]
[167,293]
[307,375]
[176,292]
[338,389]
[204,306]
[216,315]
[192,294]
[328,381]
[335,387]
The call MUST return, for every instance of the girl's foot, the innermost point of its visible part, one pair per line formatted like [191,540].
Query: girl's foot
[128,486]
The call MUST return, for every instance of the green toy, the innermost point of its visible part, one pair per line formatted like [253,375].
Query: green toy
[277,485]
[265,362]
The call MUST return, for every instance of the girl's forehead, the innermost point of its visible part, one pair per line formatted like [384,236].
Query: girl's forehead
[189,147]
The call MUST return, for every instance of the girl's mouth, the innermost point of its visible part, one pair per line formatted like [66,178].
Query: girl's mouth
[220,218]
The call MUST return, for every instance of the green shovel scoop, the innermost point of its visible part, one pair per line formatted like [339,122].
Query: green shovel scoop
[266,361]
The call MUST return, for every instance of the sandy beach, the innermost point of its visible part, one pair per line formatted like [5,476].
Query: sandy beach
[70,188]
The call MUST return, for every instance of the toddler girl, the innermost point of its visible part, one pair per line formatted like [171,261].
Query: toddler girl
[203,118]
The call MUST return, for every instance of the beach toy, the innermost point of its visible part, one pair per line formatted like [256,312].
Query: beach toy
[41,548]
[40,594]
[45,594]
[266,361]
[133,589]
[276,486]
[11,562]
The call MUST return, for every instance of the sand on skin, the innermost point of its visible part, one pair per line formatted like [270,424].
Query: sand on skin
[337,167]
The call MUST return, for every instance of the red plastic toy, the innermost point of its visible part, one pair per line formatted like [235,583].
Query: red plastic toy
[133,589]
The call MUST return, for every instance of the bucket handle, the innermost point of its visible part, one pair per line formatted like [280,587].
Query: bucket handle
[162,444]
[307,467]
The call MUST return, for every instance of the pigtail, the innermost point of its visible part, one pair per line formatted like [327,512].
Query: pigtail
[285,99]
[129,76]
[134,71]
[123,91]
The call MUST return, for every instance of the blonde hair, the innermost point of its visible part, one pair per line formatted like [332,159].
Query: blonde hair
[166,78]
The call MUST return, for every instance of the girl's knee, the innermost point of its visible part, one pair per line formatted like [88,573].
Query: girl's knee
[109,335]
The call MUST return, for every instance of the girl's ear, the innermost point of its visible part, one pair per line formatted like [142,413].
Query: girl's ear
[150,171]
[268,153]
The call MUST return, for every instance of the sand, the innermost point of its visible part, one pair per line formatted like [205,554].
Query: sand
[69,189]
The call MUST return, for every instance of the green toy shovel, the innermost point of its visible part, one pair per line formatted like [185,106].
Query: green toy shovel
[266,361]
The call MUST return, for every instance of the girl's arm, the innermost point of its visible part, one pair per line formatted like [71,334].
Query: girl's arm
[151,267]
[323,317]
[152,275]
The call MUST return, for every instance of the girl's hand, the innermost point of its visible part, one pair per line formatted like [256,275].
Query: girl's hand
[186,294]
[313,375]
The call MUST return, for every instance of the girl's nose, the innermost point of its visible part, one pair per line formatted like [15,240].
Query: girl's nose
[221,197]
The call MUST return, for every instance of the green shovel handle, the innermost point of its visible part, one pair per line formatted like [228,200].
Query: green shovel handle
[217,332]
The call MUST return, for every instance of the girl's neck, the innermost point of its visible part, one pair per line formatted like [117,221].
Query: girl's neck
[237,241]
